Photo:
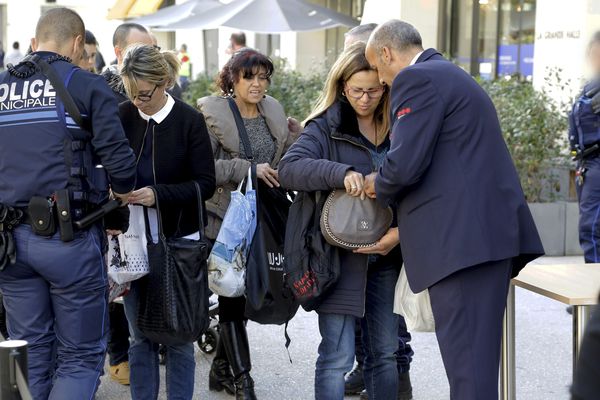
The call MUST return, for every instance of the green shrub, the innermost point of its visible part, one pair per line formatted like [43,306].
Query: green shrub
[203,85]
[534,126]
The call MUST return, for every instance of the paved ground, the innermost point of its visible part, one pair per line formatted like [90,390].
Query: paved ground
[543,351]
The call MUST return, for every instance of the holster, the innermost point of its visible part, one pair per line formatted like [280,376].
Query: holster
[63,211]
[42,215]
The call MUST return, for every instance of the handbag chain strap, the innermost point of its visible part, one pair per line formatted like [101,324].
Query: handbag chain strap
[161,233]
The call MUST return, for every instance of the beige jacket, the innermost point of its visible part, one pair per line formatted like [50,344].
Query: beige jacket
[230,170]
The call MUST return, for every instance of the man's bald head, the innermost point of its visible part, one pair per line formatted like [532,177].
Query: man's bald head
[127,34]
[391,48]
[397,35]
[59,25]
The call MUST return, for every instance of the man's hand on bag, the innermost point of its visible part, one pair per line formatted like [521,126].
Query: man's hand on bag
[354,183]
[386,244]
[143,197]
[269,175]
[370,185]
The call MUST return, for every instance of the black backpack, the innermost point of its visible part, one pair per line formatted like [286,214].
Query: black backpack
[312,266]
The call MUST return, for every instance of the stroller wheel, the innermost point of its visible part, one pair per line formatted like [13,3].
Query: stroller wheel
[208,341]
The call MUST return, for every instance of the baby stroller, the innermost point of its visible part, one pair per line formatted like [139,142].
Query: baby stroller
[208,341]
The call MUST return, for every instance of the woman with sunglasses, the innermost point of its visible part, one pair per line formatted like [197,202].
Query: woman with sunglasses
[351,122]
[173,150]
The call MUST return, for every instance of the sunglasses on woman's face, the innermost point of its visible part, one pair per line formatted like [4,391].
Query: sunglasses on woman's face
[146,96]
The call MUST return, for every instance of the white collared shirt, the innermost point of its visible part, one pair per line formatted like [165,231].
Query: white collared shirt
[161,114]
[414,60]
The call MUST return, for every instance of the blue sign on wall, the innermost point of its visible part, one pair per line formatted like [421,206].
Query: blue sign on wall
[508,54]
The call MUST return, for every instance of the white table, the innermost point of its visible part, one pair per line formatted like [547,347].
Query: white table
[576,285]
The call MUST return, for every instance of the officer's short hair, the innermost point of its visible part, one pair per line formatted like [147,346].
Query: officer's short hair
[361,33]
[397,35]
[122,32]
[59,25]
[595,40]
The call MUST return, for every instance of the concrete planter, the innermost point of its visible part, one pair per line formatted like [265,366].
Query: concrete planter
[557,224]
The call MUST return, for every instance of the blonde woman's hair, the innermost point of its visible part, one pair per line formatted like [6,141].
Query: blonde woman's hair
[351,61]
[147,63]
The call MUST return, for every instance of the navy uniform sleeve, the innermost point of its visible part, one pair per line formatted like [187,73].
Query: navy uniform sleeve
[417,116]
[108,139]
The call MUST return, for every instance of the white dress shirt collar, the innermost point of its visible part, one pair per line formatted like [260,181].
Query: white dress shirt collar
[160,116]
[414,60]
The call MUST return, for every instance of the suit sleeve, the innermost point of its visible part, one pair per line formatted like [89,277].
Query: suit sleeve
[305,166]
[108,139]
[417,116]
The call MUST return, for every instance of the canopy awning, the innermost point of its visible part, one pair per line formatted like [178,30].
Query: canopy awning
[265,16]
[144,7]
[120,9]
[171,14]
[125,9]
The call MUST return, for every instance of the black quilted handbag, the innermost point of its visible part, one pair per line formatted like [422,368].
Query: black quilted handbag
[173,303]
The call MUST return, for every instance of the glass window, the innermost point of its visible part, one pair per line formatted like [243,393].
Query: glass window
[488,38]
[516,38]
[461,32]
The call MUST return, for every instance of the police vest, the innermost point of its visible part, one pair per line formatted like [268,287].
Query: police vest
[44,135]
[584,124]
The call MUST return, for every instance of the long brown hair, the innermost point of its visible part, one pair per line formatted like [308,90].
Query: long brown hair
[350,62]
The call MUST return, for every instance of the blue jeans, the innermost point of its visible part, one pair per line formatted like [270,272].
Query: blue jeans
[380,339]
[143,361]
[56,299]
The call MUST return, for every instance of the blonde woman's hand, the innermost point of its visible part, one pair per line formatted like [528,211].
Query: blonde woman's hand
[354,183]
[143,196]
[269,175]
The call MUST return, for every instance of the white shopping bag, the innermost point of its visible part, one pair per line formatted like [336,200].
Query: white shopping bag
[414,307]
[132,260]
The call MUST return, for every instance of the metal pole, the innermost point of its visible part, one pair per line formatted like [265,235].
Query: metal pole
[581,316]
[507,368]
[13,370]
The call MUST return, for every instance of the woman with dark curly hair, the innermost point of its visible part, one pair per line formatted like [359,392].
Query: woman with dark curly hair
[245,78]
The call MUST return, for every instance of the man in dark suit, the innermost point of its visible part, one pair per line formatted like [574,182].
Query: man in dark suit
[465,227]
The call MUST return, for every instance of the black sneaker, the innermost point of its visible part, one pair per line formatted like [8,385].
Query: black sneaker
[354,381]
[404,388]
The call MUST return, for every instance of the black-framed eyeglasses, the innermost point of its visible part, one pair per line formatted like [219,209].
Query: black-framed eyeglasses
[357,94]
[146,97]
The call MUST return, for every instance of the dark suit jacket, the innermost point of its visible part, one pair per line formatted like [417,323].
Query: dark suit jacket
[451,177]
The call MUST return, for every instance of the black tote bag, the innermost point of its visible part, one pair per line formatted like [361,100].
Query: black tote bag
[268,300]
[173,303]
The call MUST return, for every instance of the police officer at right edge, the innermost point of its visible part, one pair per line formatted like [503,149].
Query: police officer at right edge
[584,140]
[54,280]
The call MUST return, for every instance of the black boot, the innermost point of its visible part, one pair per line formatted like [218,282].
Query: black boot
[220,377]
[236,345]
[354,382]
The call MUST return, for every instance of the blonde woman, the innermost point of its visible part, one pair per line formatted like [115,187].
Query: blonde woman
[350,121]
[173,149]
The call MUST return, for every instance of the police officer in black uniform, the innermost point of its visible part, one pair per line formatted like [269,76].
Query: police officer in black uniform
[584,139]
[54,277]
